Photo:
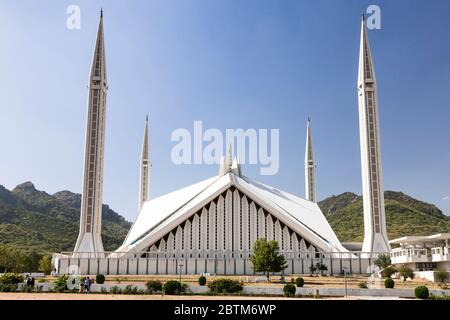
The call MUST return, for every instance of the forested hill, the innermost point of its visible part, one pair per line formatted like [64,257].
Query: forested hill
[404,216]
[34,220]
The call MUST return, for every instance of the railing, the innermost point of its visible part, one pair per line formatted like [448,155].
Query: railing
[216,255]
[439,254]
[409,255]
[228,263]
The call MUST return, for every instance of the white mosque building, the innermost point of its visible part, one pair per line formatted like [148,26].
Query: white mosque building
[211,226]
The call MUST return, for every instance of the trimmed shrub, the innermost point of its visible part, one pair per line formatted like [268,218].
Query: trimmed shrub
[202,280]
[173,287]
[224,286]
[115,290]
[154,286]
[11,278]
[389,283]
[362,285]
[299,282]
[100,279]
[421,292]
[289,290]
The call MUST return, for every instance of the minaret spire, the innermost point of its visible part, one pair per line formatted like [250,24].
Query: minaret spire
[375,236]
[145,168]
[89,238]
[229,161]
[310,166]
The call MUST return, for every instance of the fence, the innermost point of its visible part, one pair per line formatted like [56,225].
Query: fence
[116,263]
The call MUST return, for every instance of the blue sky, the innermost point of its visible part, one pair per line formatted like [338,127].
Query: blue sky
[231,64]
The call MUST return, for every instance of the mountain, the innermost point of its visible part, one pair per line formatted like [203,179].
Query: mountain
[33,219]
[404,216]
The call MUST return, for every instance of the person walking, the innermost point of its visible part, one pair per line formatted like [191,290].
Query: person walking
[87,284]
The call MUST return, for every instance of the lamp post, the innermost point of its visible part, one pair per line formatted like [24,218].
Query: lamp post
[180,265]
[345,280]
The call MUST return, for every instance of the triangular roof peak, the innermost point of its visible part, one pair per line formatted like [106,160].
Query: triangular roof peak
[230,164]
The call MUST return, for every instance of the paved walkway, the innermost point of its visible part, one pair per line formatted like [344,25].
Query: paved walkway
[93,296]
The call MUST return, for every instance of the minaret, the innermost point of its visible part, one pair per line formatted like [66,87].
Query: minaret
[310,166]
[145,168]
[89,238]
[229,159]
[375,237]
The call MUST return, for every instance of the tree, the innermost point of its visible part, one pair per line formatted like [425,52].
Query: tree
[312,268]
[441,275]
[388,272]
[266,257]
[406,272]
[383,261]
[320,267]
[45,264]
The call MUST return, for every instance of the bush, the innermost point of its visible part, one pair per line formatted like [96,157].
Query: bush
[100,279]
[129,289]
[442,275]
[27,289]
[173,287]
[299,282]
[11,287]
[289,290]
[202,280]
[362,285]
[103,290]
[11,278]
[421,292]
[60,283]
[441,297]
[115,290]
[389,283]
[224,286]
[388,272]
[154,286]
[292,280]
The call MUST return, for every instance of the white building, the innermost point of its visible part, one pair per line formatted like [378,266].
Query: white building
[423,254]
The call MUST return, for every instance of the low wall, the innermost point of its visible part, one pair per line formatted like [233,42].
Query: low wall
[228,266]
[430,276]
[326,292]
[278,291]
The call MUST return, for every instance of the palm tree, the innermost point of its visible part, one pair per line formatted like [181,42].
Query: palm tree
[383,261]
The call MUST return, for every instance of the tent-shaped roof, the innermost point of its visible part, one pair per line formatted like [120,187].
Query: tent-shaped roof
[162,214]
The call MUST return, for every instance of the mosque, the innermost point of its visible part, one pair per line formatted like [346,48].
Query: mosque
[211,226]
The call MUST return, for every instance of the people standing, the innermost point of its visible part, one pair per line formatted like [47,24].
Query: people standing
[87,284]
